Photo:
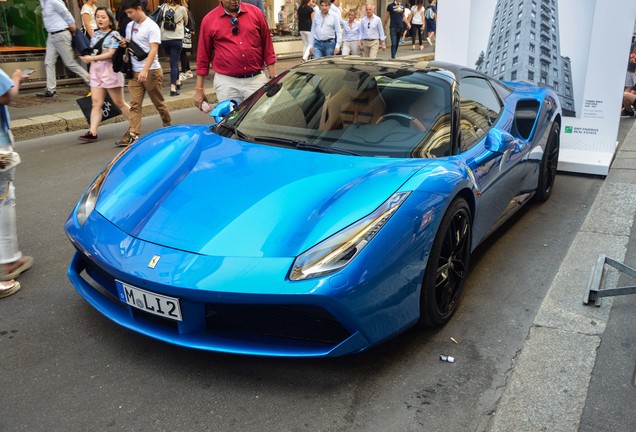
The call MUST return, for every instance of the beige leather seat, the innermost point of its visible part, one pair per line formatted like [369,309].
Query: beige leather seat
[355,102]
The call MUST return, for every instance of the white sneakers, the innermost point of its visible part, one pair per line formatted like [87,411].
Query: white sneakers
[185,75]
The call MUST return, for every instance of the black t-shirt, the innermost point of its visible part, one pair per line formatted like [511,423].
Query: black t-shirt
[396,14]
[304,18]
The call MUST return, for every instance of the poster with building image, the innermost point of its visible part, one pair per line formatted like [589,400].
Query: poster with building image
[577,47]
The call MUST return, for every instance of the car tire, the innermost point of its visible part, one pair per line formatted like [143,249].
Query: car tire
[549,163]
[447,266]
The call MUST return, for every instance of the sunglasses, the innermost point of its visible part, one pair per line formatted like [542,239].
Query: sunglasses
[368,25]
[235,29]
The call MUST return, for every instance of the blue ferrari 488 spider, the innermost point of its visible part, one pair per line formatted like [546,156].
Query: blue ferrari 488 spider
[333,209]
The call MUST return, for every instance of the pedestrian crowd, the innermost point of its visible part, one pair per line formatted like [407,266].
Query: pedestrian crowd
[233,55]
[325,33]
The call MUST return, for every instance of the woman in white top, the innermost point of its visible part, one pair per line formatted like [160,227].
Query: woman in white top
[407,20]
[172,32]
[88,17]
[417,22]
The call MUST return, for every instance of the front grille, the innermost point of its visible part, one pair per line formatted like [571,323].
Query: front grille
[148,317]
[308,323]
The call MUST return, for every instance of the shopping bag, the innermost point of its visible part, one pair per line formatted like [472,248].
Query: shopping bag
[157,16]
[109,109]
[187,39]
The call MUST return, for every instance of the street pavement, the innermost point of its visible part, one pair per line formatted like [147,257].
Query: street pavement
[576,369]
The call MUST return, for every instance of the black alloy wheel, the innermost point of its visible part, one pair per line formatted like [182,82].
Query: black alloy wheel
[549,163]
[447,266]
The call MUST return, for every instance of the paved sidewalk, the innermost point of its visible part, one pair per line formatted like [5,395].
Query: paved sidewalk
[548,386]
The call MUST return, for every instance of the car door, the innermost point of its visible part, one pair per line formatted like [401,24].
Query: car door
[494,158]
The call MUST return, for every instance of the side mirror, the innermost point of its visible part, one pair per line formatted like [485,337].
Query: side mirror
[222,109]
[498,141]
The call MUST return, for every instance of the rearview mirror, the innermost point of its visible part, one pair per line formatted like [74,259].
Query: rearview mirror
[222,109]
[498,141]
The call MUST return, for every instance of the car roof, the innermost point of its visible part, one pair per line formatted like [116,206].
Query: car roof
[448,70]
[457,70]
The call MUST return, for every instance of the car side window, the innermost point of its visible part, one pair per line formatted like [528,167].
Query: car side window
[479,109]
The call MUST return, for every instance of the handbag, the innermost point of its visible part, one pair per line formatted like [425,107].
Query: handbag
[187,39]
[109,109]
[121,62]
[157,16]
[134,49]
[81,43]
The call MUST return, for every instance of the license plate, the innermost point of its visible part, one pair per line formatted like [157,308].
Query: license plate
[164,306]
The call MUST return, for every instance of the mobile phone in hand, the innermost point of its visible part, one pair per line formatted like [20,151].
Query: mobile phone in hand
[27,71]
[205,107]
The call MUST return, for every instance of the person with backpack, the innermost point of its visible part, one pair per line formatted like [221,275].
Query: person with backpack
[103,79]
[431,17]
[147,74]
[175,18]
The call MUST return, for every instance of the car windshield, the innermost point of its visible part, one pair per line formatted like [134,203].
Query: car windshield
[363,109]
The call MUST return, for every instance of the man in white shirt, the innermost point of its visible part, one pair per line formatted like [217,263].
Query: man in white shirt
[61,27]
[371,34]
[147,72]
[325,32]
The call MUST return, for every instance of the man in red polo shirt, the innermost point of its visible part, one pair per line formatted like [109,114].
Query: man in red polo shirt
[235,38]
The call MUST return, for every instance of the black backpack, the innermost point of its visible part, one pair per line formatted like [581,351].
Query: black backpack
[169,22]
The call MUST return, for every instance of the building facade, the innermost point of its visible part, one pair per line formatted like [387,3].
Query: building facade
[524,46]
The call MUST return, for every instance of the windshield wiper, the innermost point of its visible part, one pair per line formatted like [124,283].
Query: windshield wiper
[235,131]
[302,145]
[337,150]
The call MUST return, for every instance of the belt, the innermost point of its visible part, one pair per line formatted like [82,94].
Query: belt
[59,31]
[370,39]
[326,40]
[248,75]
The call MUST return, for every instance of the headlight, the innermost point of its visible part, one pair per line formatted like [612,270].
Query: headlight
[337,251]
[89,200]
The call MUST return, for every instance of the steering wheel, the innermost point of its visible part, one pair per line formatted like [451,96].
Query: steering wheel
[403,119]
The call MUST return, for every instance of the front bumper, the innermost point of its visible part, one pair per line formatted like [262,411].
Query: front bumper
[232,305]
[254,328]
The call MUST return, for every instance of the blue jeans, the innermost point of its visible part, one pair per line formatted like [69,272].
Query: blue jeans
[324,49]
[396,34]
[172,47]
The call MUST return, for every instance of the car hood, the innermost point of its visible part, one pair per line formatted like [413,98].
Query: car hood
[189,189]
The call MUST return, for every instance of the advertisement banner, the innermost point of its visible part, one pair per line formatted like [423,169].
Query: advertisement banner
[579,48]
